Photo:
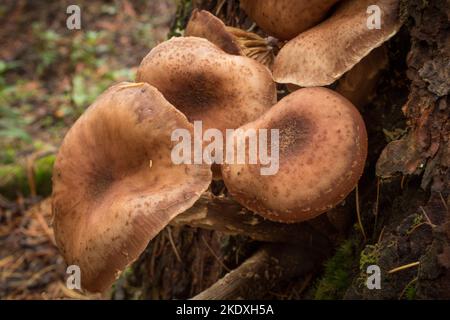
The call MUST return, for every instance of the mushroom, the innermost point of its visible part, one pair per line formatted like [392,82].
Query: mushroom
[114,183]
[359,84]
[285,19]
[223,91]
[325,52]
[235,41]
[205,25]
[322,151]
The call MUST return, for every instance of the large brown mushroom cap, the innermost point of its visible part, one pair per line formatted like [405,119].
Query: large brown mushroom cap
[285,19]
[322,152]
[114,184]
[324,53]
[205,83]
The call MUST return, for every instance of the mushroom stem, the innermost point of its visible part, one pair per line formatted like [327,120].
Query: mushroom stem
[269,266]
[254,46]
[225,215]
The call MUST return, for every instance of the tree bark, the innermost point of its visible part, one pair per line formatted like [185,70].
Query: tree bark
[417,228]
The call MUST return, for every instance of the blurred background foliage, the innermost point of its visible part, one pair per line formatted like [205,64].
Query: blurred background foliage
[50,74]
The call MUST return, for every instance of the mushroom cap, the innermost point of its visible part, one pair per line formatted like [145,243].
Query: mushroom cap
[325,52]
[114,184]
[359,84]
[204,24]
[285,19]
[205,83]
[322,152]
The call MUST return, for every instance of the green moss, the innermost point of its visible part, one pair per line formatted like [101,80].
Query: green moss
[7,155]
[14,180]
[369,256]
[418,220]
[43,174]
[338,272]
[410,292]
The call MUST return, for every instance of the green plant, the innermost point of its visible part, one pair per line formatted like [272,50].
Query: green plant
[12,124]
[338,272]
[46,47]
[88,48]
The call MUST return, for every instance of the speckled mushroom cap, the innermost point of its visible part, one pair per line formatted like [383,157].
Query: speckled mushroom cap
[204,24]
[114,184]
[322,152]
[285,19]
[205,83]
[322,54]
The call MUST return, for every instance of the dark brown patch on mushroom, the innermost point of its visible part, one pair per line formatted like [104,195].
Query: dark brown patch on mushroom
[99,183]
[295,132]
[194,93]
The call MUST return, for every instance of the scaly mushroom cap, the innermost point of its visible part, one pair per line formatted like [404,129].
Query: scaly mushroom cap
[322,152]
[114,184]
[205,83]
[206,25]
[285,19]
[324,53]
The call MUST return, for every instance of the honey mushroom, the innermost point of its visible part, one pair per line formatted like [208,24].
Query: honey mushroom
[285,19]
[114,183]
[224,91]
[323,53]
[322,152]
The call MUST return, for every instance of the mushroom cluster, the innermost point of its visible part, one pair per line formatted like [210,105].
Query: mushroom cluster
[115,162]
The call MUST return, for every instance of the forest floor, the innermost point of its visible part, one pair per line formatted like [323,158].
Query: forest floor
[48,76]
